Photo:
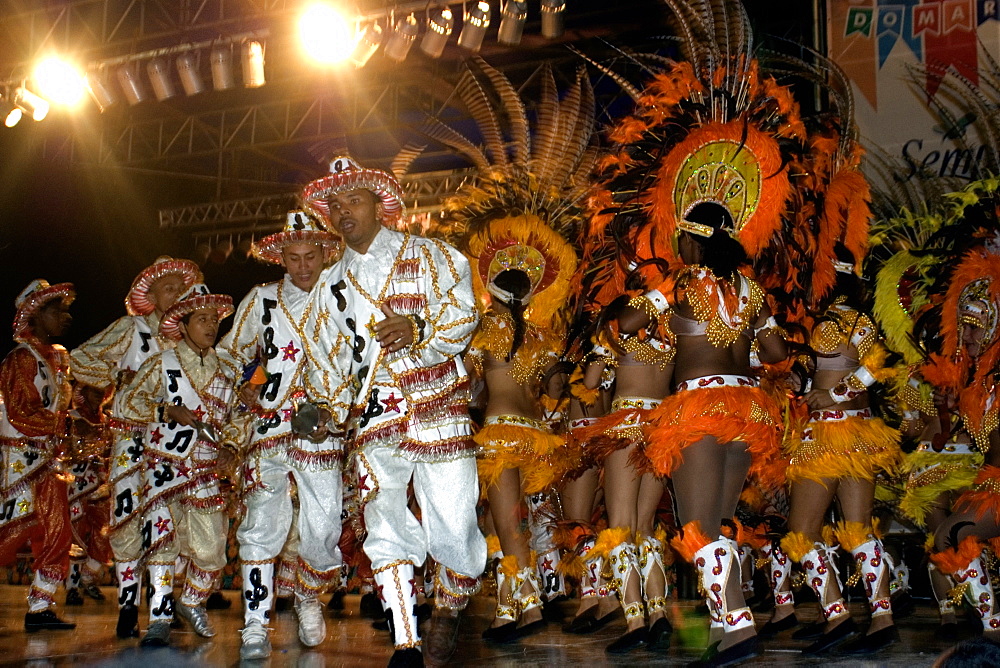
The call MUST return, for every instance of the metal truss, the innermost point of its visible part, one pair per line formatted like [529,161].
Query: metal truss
[422,194]
[100,30]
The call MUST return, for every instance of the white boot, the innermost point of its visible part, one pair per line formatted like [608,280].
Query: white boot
[395,584]
[258,596]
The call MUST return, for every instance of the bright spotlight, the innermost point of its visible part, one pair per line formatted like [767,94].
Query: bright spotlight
[32,105]
[477,20]
[369,39]
[60,82]
[10,113]
[402,38]
[552,18]
[513,15]
[326,36]
[439,26]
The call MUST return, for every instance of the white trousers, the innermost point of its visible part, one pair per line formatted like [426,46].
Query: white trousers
[269,516]
[447,493]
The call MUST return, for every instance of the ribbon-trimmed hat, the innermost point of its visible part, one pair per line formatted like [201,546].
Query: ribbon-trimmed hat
[34,297]
[300,228]
[196,298]
[137,302]
[346,175]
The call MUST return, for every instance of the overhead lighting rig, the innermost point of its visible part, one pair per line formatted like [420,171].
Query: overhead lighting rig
[326,36]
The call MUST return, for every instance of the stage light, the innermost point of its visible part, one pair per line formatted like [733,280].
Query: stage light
[159,77]
[252,58]
[513,16]
[474,26]
[59,82]
[552,18]
[10,113]
[187,70]
[440,23]
[368,42]
[326,36]
[100,90]
[222,67]
[31,104]
[402,38]
[128,79]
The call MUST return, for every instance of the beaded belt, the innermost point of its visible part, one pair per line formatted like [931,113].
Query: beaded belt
[579,423]
[948,449]
[840,414]
[517,421]
[833,416]
[720,380]
[634,403]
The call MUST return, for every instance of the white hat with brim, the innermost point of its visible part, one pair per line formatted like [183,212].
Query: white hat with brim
[137,301]
[35,296]
[196,298]
[345,176]
[300,228]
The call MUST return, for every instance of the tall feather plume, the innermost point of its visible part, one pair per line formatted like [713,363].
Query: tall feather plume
[720,18]
[435,129]
[481,109]
[514,109]
[401,163]
[576,143]
[690,49]
[569,111]
[547,123]
[622,82]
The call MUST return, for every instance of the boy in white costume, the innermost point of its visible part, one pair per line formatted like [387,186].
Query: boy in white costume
[184,395]
[268,330]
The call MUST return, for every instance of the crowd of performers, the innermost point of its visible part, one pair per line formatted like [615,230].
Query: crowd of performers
[683,311]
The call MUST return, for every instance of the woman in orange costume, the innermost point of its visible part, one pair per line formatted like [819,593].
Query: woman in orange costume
[967,367]
[590,400]
[838,453]
[718,426]
[632,544]
[520,455]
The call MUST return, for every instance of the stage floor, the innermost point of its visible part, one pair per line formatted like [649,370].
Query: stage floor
[352,642]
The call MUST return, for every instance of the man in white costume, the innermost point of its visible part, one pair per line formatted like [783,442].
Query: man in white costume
[391,319]
[268,330]
[111,358]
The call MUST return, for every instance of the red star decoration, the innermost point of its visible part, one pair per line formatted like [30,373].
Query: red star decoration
[75,510]
[413,586]
[145,489]
[91,479]
[286,414]
[290,351]
[163,524]
[392,402]
[156,436]
[248,473]
[199,413]
[183,470]
[363,483]
[547,565]
[128,574]
[378,588]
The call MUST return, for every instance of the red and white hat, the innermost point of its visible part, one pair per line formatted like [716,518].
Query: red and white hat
[196,298]
[347,175]
[137,301]
[300,228]
[32,298]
